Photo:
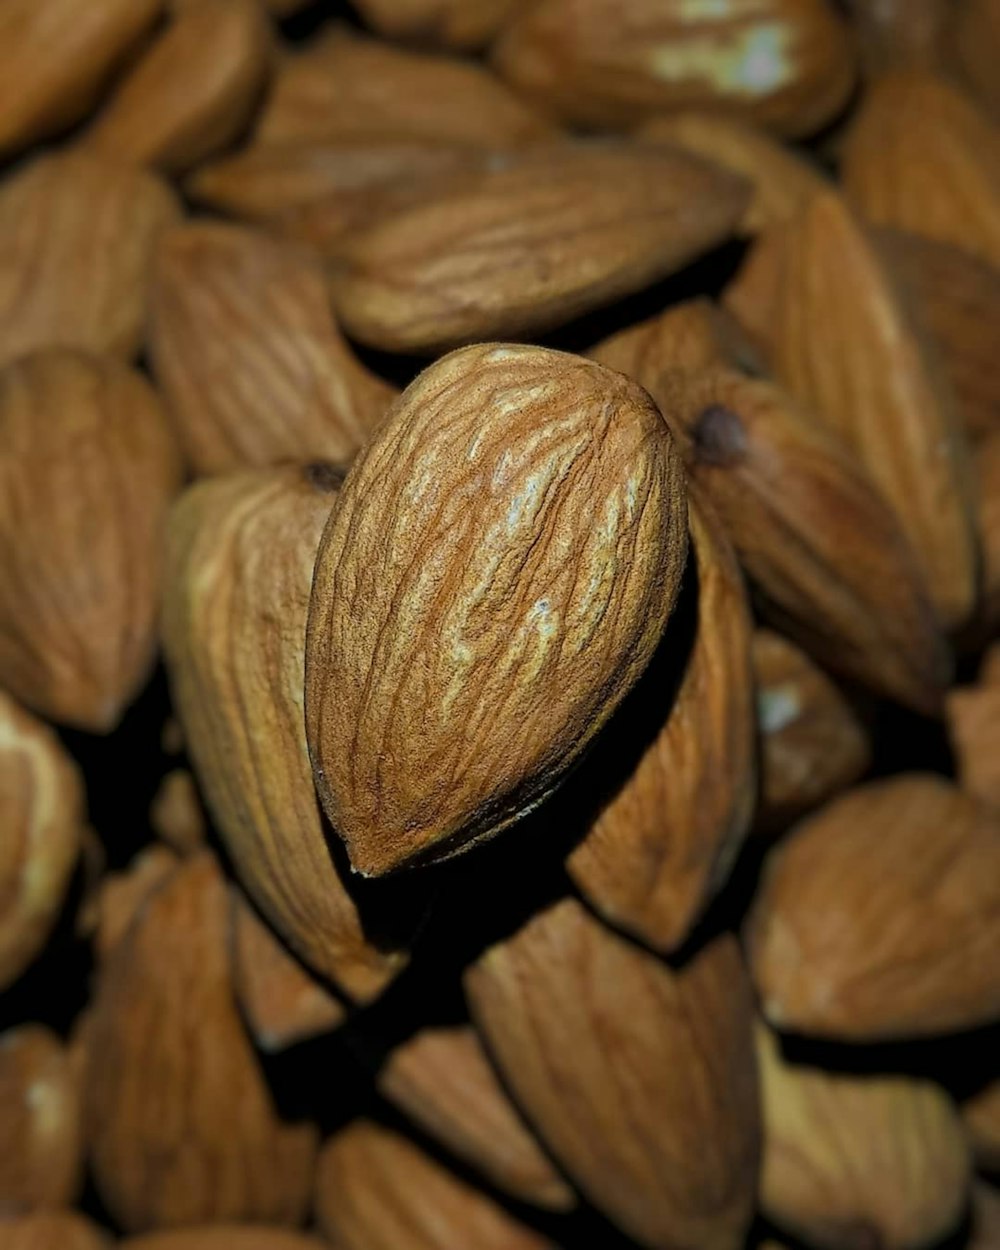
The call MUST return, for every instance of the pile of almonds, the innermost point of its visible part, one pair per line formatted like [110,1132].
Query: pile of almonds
[500,624]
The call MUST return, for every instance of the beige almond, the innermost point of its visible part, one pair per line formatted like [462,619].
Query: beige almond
[122,895]
[176,815]
[53,1230]
[463,24]
[981,1114]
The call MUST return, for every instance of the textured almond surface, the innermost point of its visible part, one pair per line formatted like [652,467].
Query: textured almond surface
[224,1237]
[878,917]
[693,335]
[88,468]
[52,1230]
[640,1079]
[453,23]
[499,569]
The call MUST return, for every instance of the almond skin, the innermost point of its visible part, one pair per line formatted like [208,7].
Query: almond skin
[973,717]
[976,48]
[53,1230]
[88,468]
[451,23]
[225,1237]
[122,895]
[876,918]
[176,815]
[525,620]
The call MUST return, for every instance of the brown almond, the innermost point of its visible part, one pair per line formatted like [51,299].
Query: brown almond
[122,895]
[973,717]
[52,1230]
[181,1126]
[225,1237]
[514,500]
[976,45]
[41,1142]
[851,1161]
[43,816]
[878,917]
[176,815]
[442,1079]
[253,367]
[579,1021]
[192,92]
[981,1114]
[664,844]
[902,34]
[530,243]
[463,24]
[88,468]
[240,561]
[76,235]
[377,1191]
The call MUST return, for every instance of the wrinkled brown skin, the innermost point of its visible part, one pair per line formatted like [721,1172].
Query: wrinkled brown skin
[225,1237]
[52,1230]
[878,918]
[77,232]
[663,846]
[180,1122]
[43,813]
[500,567]
[973,718]
[240,559]
[253,367]
[534,240]
[41,1140]
[460,24]
[981,1114]
[442,1079]
[375,1190]
[598,63]
[853,1162]
[88,469]
[579,1021]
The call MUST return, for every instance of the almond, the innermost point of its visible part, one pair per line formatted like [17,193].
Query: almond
[451,23]
[973,716]
[176,815]
[225,1237]
[122,895]
[976,39]
[902,34]
[530,243]
[877,917]
[252,365]
[88,468]
[664,844]
[981,1113]
[786,64]
[580,1021]
[76,236]
[52,1230]
[503,558]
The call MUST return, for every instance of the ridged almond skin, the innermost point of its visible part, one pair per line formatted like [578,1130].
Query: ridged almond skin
[463,24]
[88,469]
[640,1079]
[533,241]
[192,92]
[176,815]
[442,1079]
[53,1230]
[878,917]
[122,895]
[976,48]
[375,1190]
[813,743]
[981,1114]
[784,64]
[973,718]
[347,85]
[55,56]
[500,566]
[240,561]
[857,1161]
[181,1126]
[225,1237]
[42,812]
[663,845]
[253,367]
[919,156]
[41,1139]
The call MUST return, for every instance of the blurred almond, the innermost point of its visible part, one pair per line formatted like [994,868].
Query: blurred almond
[985,1234]
[253,367]
[192,91]
[530,243]
[461,24]
[123,894]
[514,499]
[813,744]
[580,1022]
[853,1161]
[442,1079]
[42,814]
[176,815]
[181,1125]
[902,34]
[241,556]
[878,917]
[41,1143]
[88,468]
[76,235]
[976,39]
[693,336]
[973,716]
[53,1230]
[225,1237]
[55,57]
[664,844]
[981,1113]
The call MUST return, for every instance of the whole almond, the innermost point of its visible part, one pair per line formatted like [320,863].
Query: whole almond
[225,1237]
[981,1114]
[664,844]
[244,345]
[76,235]
[877,917]
[122,895]
[442,1079]
[43,815]
[88,468]
[193,90]
[973,718]
[786,64]
[240,562]
[52,1230]
[451,23]
[176,815]
[499,569]
[533,241]
[580,1022]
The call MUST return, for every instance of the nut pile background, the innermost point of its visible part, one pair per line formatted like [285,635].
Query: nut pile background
[499,600]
